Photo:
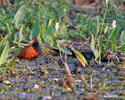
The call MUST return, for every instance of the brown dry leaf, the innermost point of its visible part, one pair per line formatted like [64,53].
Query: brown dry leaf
[91,98]
[67,80]
[123,5]
[5,2]
[83,78]
[93,3]
[67,68]
[64,82]
[89,5]
[124,63]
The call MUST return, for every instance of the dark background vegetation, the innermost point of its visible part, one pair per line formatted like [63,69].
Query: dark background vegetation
[90,32]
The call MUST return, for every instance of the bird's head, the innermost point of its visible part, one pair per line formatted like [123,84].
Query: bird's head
[35,45]
[34,40]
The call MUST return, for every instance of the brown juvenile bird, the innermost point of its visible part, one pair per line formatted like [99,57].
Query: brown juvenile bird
[31,51]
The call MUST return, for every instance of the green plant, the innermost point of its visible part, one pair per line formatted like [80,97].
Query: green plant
[122,39]
[84,27]
[104,33]
[4,50]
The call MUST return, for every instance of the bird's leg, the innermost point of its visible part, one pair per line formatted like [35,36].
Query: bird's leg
[26,64]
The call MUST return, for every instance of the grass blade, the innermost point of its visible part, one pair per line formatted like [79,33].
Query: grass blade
[4,54]
[35,30]
[19,16]
[95,51]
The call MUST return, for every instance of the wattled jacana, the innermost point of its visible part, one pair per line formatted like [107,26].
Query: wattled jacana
[30,52]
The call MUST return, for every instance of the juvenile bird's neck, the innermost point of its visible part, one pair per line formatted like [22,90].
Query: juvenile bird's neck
[36,46]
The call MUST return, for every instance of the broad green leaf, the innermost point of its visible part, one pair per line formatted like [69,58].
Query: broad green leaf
[63,29]
[46,29]
[49,38]
[42,29]
[26,43]
[11,63]
[106,29]
[16,36]
[19,16]
[116,57]
[99,47]
[80,57]
[122,37]
[4,54]
[106,1]
[17,51]
[42,32]
[35,30]
[3,43]
[63,41]
[98,26]
[50,30]
[3,67]
[110,36]
[122,48]
[114,44]
[20,35]
[9,31]
[11,49]
[66,51]
[50,22]
[95,51]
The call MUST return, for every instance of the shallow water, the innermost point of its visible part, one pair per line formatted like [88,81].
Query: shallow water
[107,81]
